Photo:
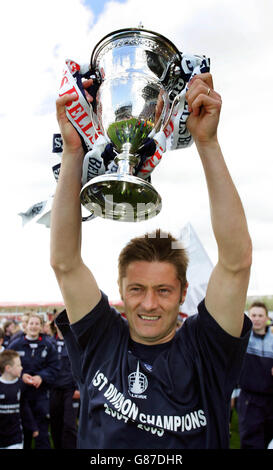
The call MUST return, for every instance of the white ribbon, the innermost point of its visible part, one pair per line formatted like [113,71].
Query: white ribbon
[177,134]
[79,111]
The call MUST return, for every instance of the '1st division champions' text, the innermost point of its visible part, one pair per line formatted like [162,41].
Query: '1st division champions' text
[127,409]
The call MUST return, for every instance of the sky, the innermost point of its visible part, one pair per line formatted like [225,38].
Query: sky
[37,37]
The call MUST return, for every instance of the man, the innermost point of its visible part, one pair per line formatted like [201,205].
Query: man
[255,402]
[148,385]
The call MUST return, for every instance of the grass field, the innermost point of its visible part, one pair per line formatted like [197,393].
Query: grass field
[234,438]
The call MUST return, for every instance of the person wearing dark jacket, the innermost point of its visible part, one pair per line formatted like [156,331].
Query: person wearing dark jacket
[75,356]
[40,370]
[63,404]
[255,402]
[14,408]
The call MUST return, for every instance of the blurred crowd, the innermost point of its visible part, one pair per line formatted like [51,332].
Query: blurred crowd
[40,398]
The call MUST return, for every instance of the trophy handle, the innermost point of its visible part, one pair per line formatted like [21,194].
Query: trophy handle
[157,127]
[174,103]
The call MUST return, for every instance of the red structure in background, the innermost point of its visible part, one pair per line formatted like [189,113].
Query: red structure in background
[15,310]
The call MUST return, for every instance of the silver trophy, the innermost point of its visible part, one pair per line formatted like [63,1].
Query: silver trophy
[136,70]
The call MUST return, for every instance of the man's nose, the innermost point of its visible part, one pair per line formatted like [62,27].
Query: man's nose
[149,301]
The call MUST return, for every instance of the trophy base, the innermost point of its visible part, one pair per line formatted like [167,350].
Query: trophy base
[121,197]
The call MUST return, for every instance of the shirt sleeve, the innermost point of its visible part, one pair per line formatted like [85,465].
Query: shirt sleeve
[102,328]
[212,328]
[62,322]
[221,354]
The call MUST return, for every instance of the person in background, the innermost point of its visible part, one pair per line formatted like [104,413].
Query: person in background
[63,406]
[40,370]
[2,337]
[47,329]
[10,328]
[75,356]
[17,331]
[14,408]
[24,320]
[255,401]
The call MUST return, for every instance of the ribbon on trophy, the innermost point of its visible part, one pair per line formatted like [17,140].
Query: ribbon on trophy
[99,152]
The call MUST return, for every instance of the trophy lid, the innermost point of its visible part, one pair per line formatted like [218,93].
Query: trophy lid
[157,41]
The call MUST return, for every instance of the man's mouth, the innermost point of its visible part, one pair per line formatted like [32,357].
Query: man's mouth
[150,317]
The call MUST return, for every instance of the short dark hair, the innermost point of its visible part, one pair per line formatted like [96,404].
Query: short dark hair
[6,358]
[155,246]
[259,303]
[8,323]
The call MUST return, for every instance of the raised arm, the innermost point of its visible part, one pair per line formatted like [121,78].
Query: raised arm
[78,286]
[228,284]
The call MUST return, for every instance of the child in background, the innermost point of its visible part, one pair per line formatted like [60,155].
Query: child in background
[14,409]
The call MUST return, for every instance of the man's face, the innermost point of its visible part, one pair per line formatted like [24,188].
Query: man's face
[152,294]
[259,319]
[33,327]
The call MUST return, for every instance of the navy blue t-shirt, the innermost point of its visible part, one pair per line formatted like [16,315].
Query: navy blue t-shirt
[14,412]
[170,396]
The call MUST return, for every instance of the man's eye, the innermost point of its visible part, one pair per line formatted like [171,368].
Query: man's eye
[163,291]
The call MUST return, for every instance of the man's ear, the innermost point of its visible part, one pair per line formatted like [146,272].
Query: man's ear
[120,288]
[184,293]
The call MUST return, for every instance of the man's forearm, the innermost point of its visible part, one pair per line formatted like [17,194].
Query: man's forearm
[66,214]
[227,213]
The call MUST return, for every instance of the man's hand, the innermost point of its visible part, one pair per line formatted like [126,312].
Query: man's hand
[204,106]
[27,379]
[71,139]
[36,381]
[76,395]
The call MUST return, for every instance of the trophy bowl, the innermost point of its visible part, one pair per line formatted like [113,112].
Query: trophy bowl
[136,70]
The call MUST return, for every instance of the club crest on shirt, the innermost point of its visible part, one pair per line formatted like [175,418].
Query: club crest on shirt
[137,384]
